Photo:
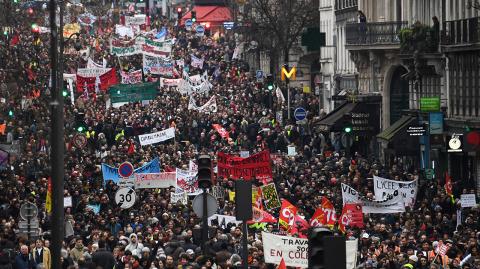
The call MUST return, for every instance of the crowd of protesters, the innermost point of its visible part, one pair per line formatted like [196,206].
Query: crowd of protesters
[156,233]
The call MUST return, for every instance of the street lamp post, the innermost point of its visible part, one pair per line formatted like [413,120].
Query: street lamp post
[56,140]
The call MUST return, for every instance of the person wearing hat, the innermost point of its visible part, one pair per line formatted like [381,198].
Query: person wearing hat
[135,247]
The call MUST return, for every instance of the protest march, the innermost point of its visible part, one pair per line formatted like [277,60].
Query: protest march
[144,97]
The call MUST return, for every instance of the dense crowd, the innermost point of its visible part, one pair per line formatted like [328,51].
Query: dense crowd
[156,233]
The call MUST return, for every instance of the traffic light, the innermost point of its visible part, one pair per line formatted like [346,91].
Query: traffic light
[30,11]
[204,172]
[5,32]
[194,16]
[64,93]
[347,124]
[35,28]
[179,12]
[322,246]
[269,82]
[10,113]
[80,125]
[207,29]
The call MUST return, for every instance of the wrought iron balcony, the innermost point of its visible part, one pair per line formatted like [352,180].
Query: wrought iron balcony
[461,32]
[374,33]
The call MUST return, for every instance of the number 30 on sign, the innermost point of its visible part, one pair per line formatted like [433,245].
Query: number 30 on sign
[125,198]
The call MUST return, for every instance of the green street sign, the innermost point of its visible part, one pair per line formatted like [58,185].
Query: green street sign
[430,104]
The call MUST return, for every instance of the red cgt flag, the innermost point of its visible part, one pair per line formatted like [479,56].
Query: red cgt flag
[352,216]
[287,215]
[261,216]
[219,128]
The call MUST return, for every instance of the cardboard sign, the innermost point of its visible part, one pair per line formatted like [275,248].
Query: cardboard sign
[270,196]
[468,200]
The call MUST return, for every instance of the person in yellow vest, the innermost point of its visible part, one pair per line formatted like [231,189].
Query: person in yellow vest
[41,255]
[90,133]
[119,134]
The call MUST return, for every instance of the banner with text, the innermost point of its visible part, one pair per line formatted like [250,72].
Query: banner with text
[106,80]
[111,173]
[392,204]
[257,165]
[157,65]
[385,188]
[153,138]
[294,251]
[156,180]
[133,77]
[188,181]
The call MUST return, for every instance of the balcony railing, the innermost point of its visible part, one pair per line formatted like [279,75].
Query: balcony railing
[344,4]
[374,33]
[461,32]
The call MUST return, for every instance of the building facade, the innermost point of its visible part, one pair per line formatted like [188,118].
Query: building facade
[423,58]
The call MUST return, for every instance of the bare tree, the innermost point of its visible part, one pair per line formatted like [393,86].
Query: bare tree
[277,24]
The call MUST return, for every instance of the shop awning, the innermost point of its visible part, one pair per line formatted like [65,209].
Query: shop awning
[395,128]
[326,123]
[210,14]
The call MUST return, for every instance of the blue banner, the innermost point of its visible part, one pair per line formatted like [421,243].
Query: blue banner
[111,173]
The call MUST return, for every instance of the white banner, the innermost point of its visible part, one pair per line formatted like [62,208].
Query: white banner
[148,139]
[92,72]
[188,181]
[294,251]
[156,180]
[92,64]
[223,220]
[208,107]
[393,205]
[122,31]
[386,188]
[157,65]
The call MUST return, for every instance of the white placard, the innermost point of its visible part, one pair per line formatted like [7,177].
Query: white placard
[180,196]
[223,220]
[67,201]
[148,139]
[244,153]
[468,200]
[92,72]
[294,251]
[155,180]
[291,151]
[385,188]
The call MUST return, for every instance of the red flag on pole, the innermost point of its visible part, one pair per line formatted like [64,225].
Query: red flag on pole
[287,214]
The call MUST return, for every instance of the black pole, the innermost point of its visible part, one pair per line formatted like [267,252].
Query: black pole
[204,222]
[244,245]
[56,140]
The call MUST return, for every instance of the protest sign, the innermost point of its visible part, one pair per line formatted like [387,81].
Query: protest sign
[123,31]
[111,173]
[139,19]
[223,220]
[261,216]
[157,65]
[67,201]
[218,192]
[155,180]
[157,48]
[92,72]
[244,153]
[179,196]
[468,200]
[153,138]
[257,165]
[106,80]
[208,107]
[385,188]
[221,131]
[352,216]
[392,204]
[196,62]
[188,181]
[294,251]
[133,77]
[169,82]
[257,197]
[270,196]
[92,64]
[192,165]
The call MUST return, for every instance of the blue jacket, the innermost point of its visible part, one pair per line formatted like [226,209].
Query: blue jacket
[24,262]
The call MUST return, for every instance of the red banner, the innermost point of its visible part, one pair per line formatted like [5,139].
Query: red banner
[287,215]
[106,80]
[257,165]
[223,133]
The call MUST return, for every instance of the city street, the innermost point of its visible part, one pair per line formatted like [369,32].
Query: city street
[221,134]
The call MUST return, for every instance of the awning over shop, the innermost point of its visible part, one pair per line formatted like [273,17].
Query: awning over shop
[395,128]
[326,123]
[210,14]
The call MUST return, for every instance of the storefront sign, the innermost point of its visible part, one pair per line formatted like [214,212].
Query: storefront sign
[417,130]
[455,143]
[436,123]
[430,104]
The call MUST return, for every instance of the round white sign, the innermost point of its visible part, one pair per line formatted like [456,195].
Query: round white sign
[125,198]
